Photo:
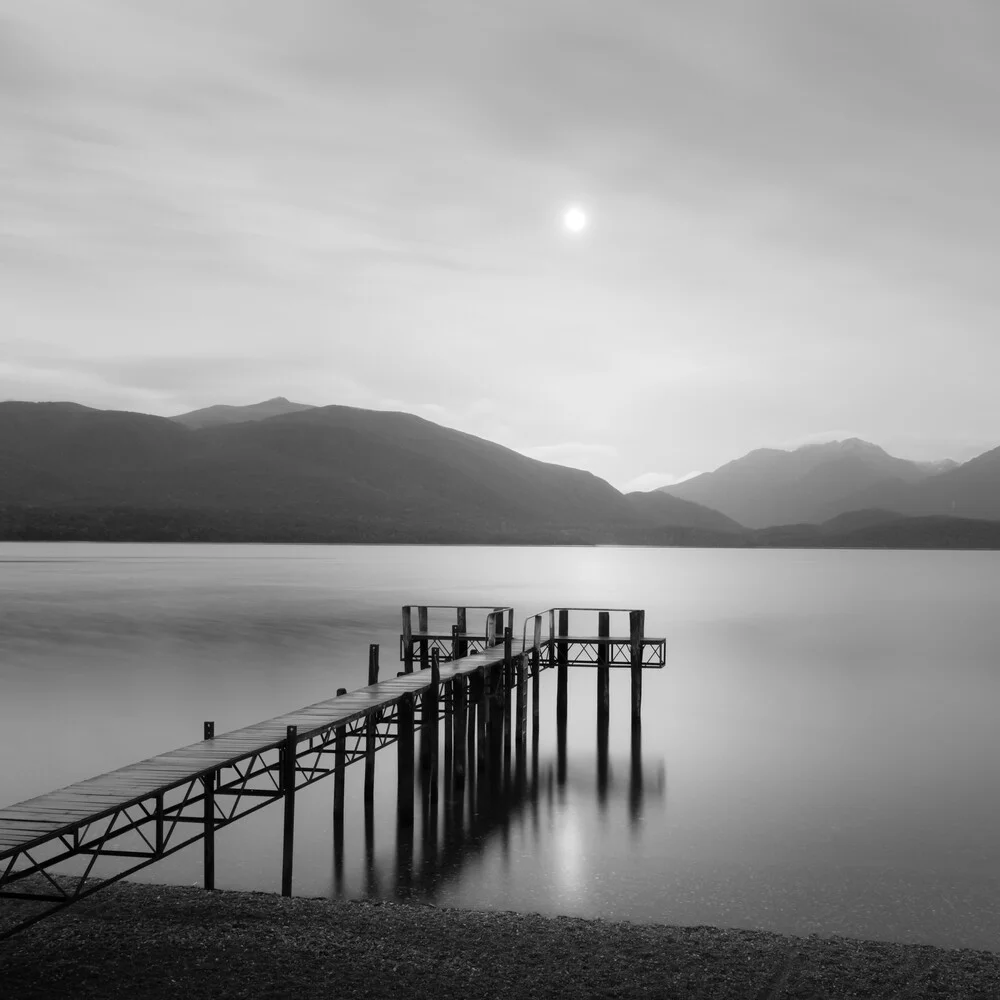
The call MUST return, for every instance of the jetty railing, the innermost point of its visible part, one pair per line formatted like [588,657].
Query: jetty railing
[144,812]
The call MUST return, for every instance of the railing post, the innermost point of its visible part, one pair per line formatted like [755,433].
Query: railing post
[603,670]
[407,639]
[404,770]
[454,643]
[288,789]
[371,727]
[422,629]
[208,784]
[463,628]
[637,628]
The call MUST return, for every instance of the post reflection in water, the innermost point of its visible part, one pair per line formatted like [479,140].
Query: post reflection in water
[479,806]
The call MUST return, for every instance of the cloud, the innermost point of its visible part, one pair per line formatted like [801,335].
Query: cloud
[647,481]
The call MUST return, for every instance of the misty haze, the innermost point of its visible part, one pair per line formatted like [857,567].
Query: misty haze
[464,466]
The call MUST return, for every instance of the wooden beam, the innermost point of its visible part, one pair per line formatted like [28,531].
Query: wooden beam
[407,640]
[288,790]
[339,766]
[404,770]
[637,628]
[603,673]
[461,719]
[208,782]
[371,727]
[562,670]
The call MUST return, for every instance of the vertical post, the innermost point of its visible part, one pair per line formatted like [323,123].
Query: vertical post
[404,770]
[422,629]
[637,628]
[208,783]
[482,720]
[433,729]
[508,683]
[536,670]
[496,725]
[562,669]
[339,766]
[288,788]
[454,642]
[603,670]
[463,628]
[461,716]
[407,640]
[449,695]
[520,712]
[371,727]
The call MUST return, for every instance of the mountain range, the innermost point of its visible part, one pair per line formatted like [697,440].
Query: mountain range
[817,482]
[284,471]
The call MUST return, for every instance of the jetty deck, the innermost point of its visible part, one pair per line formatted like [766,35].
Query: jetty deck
[143,812]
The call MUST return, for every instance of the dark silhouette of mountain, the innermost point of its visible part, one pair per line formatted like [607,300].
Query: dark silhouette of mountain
[211,416]
[332,473]
[809,485]
[883,530]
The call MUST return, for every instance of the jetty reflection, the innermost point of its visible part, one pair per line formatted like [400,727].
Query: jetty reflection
[465,816]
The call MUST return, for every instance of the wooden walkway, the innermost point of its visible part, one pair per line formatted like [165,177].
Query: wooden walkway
[143,812]
[45,816]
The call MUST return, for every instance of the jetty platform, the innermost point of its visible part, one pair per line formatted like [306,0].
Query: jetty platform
[467,688]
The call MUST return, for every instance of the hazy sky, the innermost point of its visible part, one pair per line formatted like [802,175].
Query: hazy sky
[794,214]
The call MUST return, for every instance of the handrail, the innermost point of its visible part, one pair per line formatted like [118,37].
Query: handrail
[551,612]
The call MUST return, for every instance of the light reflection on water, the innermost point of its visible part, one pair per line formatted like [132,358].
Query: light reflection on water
[819,755]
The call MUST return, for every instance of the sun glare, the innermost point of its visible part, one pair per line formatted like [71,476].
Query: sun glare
[575,219]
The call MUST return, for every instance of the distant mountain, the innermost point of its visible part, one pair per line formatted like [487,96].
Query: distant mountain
[212,416]
[662,508]
[970,490]
[809,485]
[332,473]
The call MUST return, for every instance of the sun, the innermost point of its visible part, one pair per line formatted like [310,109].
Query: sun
[574,219]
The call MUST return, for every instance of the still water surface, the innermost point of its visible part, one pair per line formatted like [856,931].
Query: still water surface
[821,753]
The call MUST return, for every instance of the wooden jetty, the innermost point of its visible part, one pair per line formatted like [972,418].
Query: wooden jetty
[472,684]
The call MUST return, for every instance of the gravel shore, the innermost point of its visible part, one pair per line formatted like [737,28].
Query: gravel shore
[148,941]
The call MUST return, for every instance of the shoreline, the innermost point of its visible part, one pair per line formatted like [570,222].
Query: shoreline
[140,940]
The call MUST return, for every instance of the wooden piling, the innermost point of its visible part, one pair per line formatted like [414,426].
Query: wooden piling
[288,789]
[433,727]
[482,720]
[404,770]
[562,670]
[208,783]
[603,670]
[339,766]
[371,727]
[637,628]
[505,705]
[536,672]
[407,639]
[460,717]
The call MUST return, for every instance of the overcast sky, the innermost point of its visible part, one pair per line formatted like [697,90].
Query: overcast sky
[794,217]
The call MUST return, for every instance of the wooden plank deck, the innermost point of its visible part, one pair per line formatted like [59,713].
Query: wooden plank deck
[76,805]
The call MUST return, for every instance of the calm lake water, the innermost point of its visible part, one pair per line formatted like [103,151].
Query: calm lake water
[821,753]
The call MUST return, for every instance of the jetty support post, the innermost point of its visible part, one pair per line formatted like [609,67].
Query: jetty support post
[449,692]
[496,722]
[422,629]
[208,782]
[288,790]
[603,670]
[508,684]
[460,718]
[482,719]
[536,670]
[562,670]
[404,770]
[637,628]
[407,640]
[339,767]
[371,728]
[433,728]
